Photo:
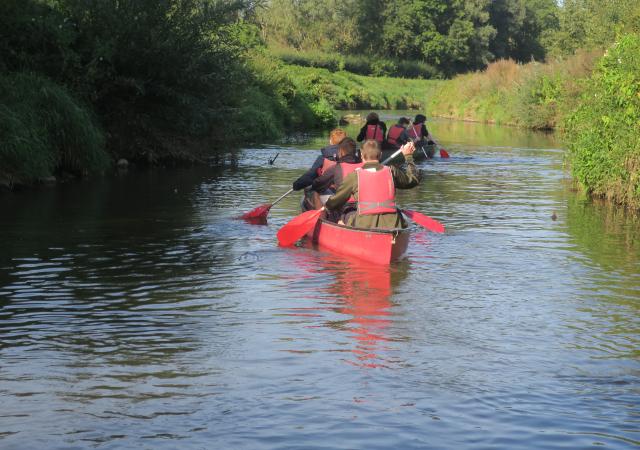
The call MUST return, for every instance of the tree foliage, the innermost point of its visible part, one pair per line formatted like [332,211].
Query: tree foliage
[452,35]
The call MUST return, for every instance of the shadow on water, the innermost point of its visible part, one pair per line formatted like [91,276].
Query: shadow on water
[136,312]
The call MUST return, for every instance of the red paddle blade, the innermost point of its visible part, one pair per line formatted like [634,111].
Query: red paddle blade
[298,227]
[426,221]
[257,213]
[443,153]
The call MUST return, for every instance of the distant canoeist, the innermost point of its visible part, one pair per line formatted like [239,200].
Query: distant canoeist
[420,135]
[374,129]
[398,135]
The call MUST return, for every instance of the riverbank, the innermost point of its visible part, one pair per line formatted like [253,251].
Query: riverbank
[593,99]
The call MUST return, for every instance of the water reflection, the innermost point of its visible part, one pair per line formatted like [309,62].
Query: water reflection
[360,294]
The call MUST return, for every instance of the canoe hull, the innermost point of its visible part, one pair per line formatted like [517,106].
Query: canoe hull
[376,246]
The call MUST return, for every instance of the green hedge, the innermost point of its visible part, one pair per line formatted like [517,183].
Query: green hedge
[603,134]
[358,64]
[43,129]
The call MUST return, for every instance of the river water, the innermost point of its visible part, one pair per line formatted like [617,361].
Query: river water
[135,312]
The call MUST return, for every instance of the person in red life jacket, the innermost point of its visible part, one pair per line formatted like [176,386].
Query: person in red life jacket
[420,136]
[374,129]
[327,183]
[373,187]
[397,135]
[326,159]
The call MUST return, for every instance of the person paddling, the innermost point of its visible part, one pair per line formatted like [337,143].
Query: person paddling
[420,135]
[326,159]
[374,129]
[332,179]
[373,187]
[398,135]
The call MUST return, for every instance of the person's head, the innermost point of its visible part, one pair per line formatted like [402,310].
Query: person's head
[336,136]
[403,121]
[420,118]
[346,147]
[372,118]
[370,150]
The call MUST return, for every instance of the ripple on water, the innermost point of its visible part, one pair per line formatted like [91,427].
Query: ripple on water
[149,317]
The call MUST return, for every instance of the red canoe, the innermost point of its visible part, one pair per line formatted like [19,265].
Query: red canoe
[376,246]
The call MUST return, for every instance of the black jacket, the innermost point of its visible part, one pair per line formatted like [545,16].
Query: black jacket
[329,152]
[363,130]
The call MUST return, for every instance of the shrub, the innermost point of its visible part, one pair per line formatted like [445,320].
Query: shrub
[43,129]
[603,133]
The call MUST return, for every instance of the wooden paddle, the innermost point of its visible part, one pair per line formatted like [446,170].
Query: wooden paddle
[426,221]
[261,212]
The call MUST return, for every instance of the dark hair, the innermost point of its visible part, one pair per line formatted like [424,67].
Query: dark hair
[347,146]
[420,118]
[403,121]
[372,118]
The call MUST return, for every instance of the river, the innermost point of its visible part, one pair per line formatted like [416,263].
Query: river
[136,312]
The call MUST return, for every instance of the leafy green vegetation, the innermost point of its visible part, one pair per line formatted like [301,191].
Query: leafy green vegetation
[344,90]
[533,95]
[603,133]
[43,129]
[357,64]
[439,37]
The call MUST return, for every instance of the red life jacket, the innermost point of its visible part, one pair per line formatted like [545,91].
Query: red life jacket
[393,134]
[375,132]
[376,192]
[415,131]
[326,165]
[347,168]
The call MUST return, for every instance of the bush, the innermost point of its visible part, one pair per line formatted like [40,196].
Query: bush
[361,65]
[43,129]
[603,132]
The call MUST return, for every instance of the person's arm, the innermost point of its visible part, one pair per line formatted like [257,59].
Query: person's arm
[307,178]
[324,181]
[426,136]
[362,134]
[403,138]
[384,130]
[409,177]
[346,190]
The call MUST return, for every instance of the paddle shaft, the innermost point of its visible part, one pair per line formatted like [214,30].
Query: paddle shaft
[391,157]
[413,125]
[282,196]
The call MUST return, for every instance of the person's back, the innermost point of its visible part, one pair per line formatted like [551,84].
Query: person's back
[327,156]
[397,135]
[373,187]
[374,129]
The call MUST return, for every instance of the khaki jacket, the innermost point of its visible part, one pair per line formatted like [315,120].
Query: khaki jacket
[402,179]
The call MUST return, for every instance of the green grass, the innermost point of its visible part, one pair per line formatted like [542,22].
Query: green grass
[357,64]
[533,95]
[345,90]
[603,133]
[44,130]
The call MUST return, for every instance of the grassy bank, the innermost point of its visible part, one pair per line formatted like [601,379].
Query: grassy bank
[533,95]
[593,99]
[45,130]
[603,132]
[357,64]
[345,90]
